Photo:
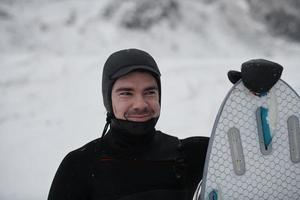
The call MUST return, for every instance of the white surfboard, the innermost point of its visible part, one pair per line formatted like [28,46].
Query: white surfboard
[239,165]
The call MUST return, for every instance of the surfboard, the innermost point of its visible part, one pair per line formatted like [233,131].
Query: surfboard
[254,149]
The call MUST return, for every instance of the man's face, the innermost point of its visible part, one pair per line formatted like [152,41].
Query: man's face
[135,97]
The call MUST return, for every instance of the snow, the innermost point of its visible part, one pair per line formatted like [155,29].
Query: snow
[52,53]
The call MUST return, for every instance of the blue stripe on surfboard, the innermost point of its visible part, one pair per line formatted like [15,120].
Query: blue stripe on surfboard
[265,126]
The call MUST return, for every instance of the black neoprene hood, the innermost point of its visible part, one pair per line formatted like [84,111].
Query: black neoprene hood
[121,63]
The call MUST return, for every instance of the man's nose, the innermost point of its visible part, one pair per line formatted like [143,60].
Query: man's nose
[139,102]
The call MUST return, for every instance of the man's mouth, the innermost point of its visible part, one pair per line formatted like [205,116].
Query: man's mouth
[139,117]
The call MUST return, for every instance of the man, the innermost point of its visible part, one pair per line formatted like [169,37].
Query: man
[132,160]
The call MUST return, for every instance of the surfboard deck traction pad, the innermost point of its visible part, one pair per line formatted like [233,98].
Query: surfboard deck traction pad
[272,176]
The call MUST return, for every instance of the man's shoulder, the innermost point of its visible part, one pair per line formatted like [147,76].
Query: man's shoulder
[189,142]
[90,146]
[165,136]
[85,151]
[196,141]
[196,144]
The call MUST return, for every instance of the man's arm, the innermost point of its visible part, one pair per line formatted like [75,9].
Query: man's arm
[68,183]
[195,149]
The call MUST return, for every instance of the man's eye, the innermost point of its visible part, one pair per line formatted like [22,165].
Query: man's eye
[151,92]
[125,94]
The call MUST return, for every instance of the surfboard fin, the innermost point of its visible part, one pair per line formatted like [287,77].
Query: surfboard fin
[236,149]
[213,195]
[294,138]
[264,131]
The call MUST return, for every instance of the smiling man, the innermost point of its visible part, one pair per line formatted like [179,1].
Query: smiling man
[132,160]
[135,97]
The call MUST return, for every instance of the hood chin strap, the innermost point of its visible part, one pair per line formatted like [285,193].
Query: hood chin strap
[108,121]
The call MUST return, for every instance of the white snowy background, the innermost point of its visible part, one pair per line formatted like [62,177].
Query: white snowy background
[51,58]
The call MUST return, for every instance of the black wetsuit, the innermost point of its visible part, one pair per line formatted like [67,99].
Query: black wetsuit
[158,166]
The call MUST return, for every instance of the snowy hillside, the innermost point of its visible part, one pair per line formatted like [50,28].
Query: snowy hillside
[51,57]
[192,28]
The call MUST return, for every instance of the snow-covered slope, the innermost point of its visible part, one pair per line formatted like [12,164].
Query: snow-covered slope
[193,28]
[51,57]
